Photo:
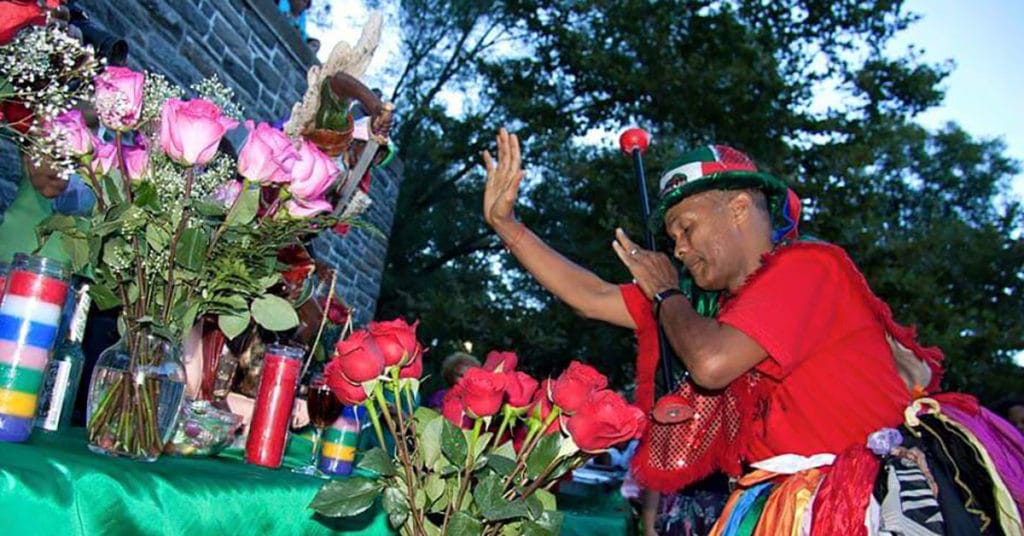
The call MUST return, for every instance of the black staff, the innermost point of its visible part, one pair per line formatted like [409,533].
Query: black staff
[634,142]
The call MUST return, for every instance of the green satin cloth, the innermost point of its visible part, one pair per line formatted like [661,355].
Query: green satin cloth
[604,513]
[53,484]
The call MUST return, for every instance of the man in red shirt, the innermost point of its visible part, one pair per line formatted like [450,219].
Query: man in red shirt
[833,372]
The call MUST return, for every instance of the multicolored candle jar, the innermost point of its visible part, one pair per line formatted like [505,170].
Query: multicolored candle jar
[268,432]
[340,441]
[30,315]
[5,268]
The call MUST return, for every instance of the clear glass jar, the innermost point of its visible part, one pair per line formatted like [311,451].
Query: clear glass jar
[135,396]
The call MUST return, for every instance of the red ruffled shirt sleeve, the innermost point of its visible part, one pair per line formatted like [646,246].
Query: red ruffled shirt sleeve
[647,353]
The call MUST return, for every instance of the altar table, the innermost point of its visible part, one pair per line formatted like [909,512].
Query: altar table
[53,484]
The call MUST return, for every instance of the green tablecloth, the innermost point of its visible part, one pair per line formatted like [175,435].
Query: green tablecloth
[53,484]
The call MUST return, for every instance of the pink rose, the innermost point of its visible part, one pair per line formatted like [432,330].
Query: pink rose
[506,360]
[348,393]
[573,388]
[119,97]
[312,174]
[519,387]
[267,156]
[190,131]
[358,357]
[136,159]
[227,193]
[303,209]
[70,126]
[605,421]
[396,340]
[482,391]
[104,157]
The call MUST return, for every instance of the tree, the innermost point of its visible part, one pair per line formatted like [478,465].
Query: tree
[924,213]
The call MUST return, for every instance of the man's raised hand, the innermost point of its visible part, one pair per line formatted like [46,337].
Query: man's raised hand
[503,179]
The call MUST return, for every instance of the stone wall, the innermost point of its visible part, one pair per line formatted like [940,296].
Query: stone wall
[254,50]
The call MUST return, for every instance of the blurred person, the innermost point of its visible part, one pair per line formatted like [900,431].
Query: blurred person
[1013,411]
[296,10]
[313,44]
[452,369]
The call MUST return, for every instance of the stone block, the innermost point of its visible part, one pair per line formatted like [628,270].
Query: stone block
[172,63]
[199,57]
[164,17]
[196,22]
[230,10]
[236,39]
[238,76]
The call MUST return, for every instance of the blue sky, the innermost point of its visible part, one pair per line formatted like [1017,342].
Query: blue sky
[983,90]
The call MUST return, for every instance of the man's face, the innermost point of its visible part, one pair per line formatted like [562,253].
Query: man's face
[706,238]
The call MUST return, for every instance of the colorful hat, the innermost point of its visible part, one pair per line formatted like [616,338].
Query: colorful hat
[720,167]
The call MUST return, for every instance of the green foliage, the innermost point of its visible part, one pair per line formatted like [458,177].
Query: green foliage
[441,479]
[926,214]
[346,497]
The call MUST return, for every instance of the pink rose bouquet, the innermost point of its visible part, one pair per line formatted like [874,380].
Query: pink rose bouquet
[182,231]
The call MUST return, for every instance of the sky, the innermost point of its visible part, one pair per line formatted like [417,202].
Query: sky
[983,90]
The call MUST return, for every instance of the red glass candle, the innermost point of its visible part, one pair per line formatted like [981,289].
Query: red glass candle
[268,432]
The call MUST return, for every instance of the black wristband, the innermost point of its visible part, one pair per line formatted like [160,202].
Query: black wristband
[660,298]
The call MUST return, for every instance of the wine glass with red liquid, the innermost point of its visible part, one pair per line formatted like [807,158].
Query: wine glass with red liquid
[324,408]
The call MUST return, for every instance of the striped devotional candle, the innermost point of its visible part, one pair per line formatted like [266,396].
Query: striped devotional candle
[339,443]
[30,315]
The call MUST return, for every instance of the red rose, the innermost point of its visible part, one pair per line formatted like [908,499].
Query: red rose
[17,15]
[337,311]
[358,357]
[605,421]
[506,360]
[396,339]
[482,391]
[413,369]
[348,393]
[520,388]
[299,264]
[541,406]
[453,408]
[572,389]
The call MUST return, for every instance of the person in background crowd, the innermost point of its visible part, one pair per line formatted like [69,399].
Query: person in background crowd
[313,44]
[452,369]
[41,192]
[296,12]
[1012,410]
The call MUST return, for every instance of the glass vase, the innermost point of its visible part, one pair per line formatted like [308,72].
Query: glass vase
[135,396]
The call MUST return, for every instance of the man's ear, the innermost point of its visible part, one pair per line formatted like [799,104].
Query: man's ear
[740,206]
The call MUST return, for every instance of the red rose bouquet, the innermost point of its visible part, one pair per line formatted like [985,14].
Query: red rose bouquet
[461,471]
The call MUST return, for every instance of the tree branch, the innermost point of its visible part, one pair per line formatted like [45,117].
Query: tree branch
[465,247]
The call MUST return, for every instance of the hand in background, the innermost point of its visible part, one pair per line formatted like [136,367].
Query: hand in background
[44,178]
